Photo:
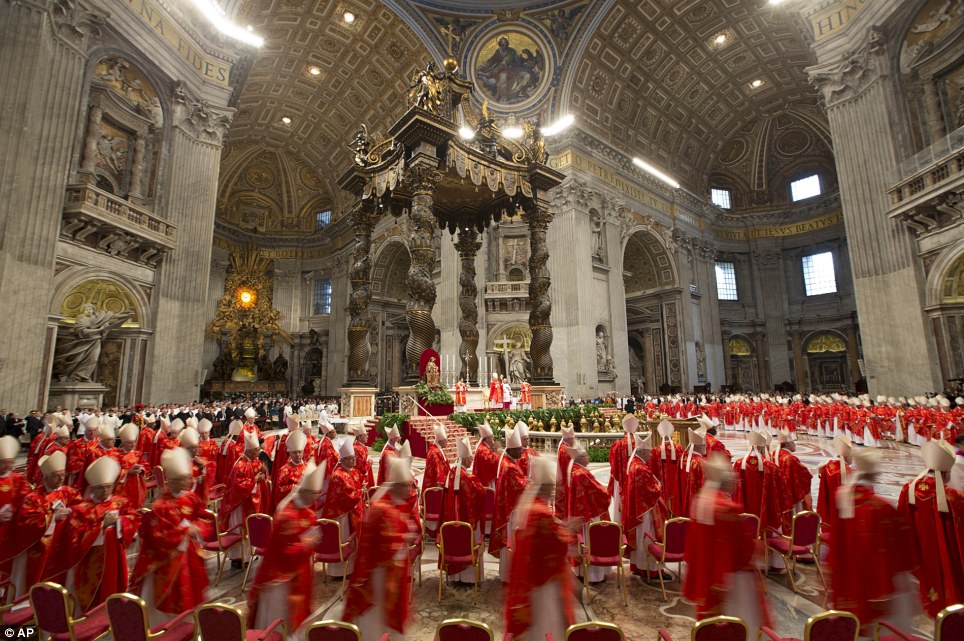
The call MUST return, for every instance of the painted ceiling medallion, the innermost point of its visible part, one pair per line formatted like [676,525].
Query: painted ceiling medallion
[511,67]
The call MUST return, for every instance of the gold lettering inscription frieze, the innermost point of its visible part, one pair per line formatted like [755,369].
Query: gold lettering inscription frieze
[830,20]
[208,67]
[577,161]
[777,231]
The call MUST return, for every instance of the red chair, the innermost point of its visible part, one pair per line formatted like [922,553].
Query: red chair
[52,605]
[216,495]
[803,541]
[221,622]
[752,524]
[331,630]
[128,621]
[432,499]
[948,626]
[159,479]
[457,544]
[720,628]
[214,540]
[592,631]
[332,550]
[18,613]
[832,625]
[463,630]
[258,530]
[604,548]
[671,549]
[489,509]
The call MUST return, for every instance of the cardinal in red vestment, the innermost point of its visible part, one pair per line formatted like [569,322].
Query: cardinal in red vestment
[563,459]
[165,439]
[39,445]
[539,598]
[40,521]
[281,450]
[93,552]
[326,450]
[721,553]
[248,492]
[230,452]
[291,471]
[363,465]
[169,573]
[620,454]
[486,463]
[207,449]
[78,453]
[664,462]
[131,484]
[759,485]
[13,490]
[935,513]
[692,476]
[389,451]
[643,508]
[796,478]
[587,500]
[525,395]
[832,475]
[527,452]
[870,551]
[380,589]
[461,393]
[282,586]
[495,392]
[464,501]
[436,465]
[343,500]
[509,486]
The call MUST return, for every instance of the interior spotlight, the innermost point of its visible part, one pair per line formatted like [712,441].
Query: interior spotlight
[349,17]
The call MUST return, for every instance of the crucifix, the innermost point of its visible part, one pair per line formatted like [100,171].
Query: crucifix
[450,38]
[503,345]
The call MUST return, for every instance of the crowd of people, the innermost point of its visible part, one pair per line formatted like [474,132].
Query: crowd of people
[77,506]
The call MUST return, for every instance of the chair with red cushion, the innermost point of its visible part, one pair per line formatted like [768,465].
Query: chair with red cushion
[159,479]
[258,530]
[127,614]
[752,524]
[331,630]
[18,613]
[949,626]
[52,606]
[720,628]
[803,541]
[216,495]
[489,509]
[331,550]
[432,499]
[220,622]
[463,630]
[671,549]
[214,540]
[832,625]
[457,544]
[592,631]
[604,548]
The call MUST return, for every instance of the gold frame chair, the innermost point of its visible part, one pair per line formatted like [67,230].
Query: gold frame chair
[341,555]
[333,623]
[602,625]
[69,607]
[659,562]
[247,540]
[241,619]
[127,596]
[718,619]
[469,622]
[788,558]
[951,609]
[477,551]
[586,553]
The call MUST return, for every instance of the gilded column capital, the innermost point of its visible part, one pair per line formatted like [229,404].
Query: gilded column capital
[422,176]
[538,217]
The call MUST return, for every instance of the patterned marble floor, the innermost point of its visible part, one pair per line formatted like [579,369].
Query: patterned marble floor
[646,613]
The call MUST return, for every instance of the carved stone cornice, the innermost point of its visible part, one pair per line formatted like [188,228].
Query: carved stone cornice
[570,194]
[844,79]
[201,120]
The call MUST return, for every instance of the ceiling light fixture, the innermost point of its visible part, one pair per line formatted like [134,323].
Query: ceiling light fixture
[756,84]
[349,17]
[216,16]
[466,133]
[512,132]
[285,120]
[649,169]
[720,39]
[315,71]
[558,126]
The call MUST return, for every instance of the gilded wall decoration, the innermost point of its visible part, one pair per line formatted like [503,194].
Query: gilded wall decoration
[934,22]
[562,23]
[739,347]
[104,295]
[826,342]
[952,286]
[511,67]
[127,81]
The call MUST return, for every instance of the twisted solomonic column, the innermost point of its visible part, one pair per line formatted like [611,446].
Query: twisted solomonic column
[360,275]
[538,217]
[421,286]
[468,246]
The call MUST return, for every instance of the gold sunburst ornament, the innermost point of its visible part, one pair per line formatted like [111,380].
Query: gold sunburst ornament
[246,297]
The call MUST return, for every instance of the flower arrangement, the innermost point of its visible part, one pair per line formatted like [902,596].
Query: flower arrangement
[432,396]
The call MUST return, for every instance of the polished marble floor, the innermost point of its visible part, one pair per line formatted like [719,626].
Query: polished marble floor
[647,611]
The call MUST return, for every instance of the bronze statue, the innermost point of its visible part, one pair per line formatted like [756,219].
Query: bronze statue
[425,91]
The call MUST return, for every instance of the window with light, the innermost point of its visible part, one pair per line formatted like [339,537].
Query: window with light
[726,281]
[805,188]
[818,274]
[720,197]
[322,297]
[322,218]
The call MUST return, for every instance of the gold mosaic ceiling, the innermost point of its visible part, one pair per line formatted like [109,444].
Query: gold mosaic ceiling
[650,79]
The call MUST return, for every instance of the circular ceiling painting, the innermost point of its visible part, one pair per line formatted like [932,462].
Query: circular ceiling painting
[511,67]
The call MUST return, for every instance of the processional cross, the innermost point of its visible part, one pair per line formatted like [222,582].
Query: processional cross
[450,38]
[503,345]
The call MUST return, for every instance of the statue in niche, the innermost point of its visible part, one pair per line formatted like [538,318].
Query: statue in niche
[700,361]
[518,364]
[79,348]
[280,368]
[432,374]
[611,368]
[602,352]
[596,225]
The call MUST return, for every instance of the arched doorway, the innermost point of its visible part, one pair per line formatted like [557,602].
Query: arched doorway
[742,372]
[389,329]
[653,313]
[826,354]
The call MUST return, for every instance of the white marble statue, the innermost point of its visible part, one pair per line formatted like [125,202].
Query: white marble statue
[79,348]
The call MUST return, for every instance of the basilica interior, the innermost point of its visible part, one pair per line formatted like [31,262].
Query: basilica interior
[749,195]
